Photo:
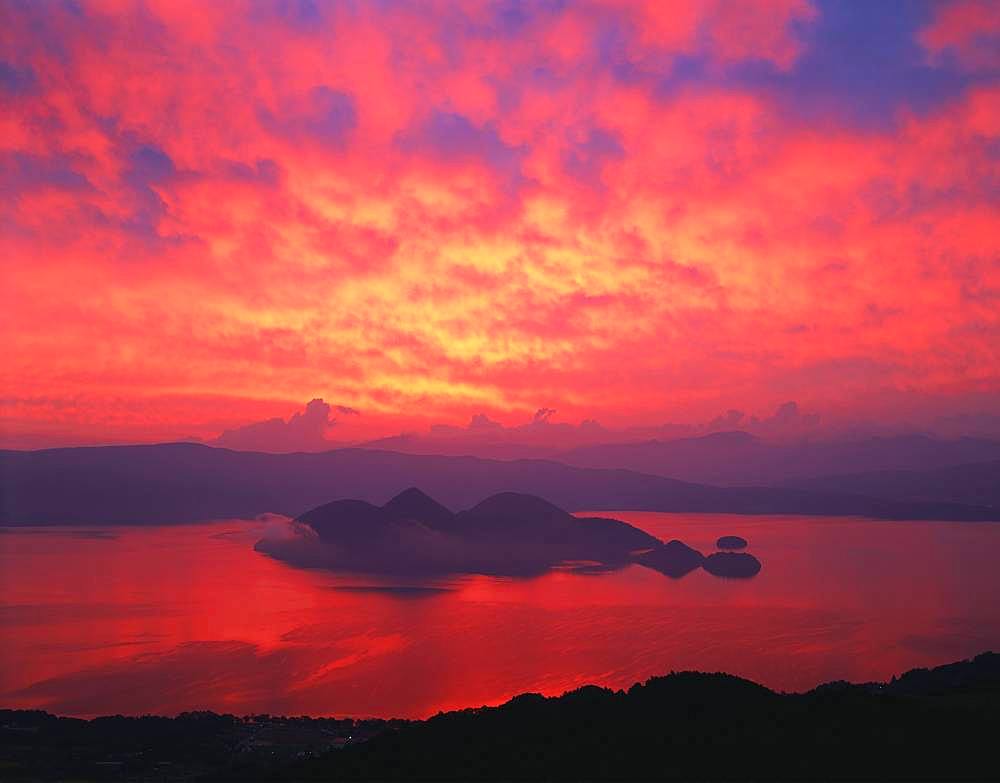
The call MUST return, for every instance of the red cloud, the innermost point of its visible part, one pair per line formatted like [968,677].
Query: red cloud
[430,211]
[970,29]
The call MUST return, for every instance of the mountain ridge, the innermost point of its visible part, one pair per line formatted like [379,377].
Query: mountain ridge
[176,483]
[738,458]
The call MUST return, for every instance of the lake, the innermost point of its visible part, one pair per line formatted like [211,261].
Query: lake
[165,619]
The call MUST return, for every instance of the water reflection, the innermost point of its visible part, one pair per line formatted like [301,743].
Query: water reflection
[174,618]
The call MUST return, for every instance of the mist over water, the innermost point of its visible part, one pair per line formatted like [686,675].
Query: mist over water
[165,619]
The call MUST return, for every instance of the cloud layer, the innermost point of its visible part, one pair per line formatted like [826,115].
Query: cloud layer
[634,212]
[304,431]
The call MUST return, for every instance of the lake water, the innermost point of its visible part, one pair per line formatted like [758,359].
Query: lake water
[166,619]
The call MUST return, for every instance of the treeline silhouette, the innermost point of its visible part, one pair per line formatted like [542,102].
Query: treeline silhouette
[927,725]
[937,724]
[202,745]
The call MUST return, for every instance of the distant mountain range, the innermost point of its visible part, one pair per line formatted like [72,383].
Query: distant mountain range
[416,443]
[183,482]
[738,458]
[976,484]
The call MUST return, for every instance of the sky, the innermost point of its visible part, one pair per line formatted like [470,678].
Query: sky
[439,213]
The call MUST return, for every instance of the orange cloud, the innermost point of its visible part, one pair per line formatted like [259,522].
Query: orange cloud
[430,211]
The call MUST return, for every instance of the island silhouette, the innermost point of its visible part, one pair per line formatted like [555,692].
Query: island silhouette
[510,534]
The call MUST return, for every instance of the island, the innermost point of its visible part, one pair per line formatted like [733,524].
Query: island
[731,542]
[674,558]
[732,565]
[507,534]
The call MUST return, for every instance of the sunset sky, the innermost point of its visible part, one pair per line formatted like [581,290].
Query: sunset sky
[630,212]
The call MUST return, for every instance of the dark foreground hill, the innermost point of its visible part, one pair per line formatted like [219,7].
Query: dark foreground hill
[927,725]
[937,724]
[184,482]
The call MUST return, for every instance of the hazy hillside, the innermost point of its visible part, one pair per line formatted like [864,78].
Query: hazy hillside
[977,484]
[738,458]
[188,482]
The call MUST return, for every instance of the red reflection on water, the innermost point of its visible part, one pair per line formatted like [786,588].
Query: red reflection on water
[174,618]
